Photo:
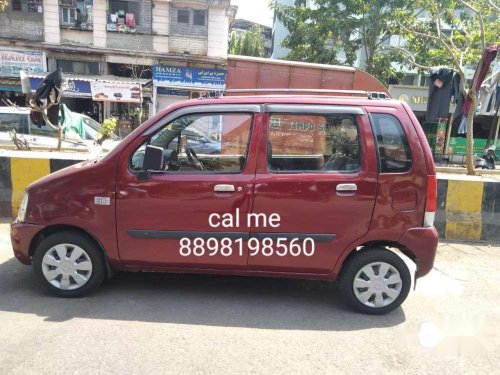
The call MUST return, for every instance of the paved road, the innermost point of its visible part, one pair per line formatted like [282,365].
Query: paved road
[156,323]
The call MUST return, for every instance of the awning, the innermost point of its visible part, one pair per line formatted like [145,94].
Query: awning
[81,86]
[10,88]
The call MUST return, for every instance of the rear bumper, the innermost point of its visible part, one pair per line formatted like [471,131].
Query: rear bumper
[422,242]
[21,235]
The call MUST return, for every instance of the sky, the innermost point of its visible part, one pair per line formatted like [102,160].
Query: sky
[255,11]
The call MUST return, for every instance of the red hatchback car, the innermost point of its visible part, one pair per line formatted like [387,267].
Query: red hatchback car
[287,186]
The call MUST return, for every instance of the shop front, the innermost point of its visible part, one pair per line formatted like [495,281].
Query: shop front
[11,64]
[101,97]
[125,101]
[443,136]
[77,96]
[174,83]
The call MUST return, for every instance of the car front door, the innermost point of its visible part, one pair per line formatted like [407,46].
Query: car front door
[318,177]
[190,214]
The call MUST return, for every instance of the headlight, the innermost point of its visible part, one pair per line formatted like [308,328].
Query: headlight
[21,214]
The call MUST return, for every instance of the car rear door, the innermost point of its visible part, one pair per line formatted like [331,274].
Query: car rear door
[317,170]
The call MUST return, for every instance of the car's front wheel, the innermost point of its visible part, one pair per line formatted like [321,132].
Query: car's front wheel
[69,264]
[375,281]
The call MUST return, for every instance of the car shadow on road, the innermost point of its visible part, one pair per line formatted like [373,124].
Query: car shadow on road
[225,301]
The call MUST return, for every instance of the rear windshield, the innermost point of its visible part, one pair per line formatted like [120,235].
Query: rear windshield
[393,151]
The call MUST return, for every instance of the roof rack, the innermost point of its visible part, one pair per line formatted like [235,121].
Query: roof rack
[368,94]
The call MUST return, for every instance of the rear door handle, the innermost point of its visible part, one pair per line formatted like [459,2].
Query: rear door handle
[347,187]
[224,188]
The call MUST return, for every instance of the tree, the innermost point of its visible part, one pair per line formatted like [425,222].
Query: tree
[3,5]
[332,32]
[232,44]
[450,33]
[249,44]
[107,129]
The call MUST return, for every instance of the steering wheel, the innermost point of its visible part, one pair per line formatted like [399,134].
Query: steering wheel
[193,158]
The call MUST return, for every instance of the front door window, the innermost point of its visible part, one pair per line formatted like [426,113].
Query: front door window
[201,143]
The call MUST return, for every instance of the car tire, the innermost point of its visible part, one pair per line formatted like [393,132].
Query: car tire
[69,264]
[375,281]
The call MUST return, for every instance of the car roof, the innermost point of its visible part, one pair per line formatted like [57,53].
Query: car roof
[294,99]
[21,110]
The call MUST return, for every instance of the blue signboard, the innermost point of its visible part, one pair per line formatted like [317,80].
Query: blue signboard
[76,88]
[179,76]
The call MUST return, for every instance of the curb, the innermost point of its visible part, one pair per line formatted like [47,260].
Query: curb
[17,173]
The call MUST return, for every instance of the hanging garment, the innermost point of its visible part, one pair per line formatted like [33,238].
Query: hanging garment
[489,54]
[50,92]
[492,99]
[458,97]
[130,20]
[440,92]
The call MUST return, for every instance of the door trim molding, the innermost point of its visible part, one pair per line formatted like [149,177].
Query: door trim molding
[178,234]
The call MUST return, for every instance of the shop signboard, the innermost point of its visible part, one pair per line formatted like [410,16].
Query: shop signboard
[124,92]
[164,91]
[459,146]
[13,61]
[196,78]
[74,88]
[415,96]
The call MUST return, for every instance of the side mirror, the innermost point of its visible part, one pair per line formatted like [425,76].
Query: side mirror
[153,159]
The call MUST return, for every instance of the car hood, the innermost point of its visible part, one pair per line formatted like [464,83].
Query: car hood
[62,174]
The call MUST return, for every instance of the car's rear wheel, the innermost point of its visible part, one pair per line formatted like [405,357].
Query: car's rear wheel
[69,264]
[375,281]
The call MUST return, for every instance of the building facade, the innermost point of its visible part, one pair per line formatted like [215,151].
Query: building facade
[117,43]
[240,27]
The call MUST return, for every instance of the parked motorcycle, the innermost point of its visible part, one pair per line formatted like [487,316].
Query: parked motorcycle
[487,160]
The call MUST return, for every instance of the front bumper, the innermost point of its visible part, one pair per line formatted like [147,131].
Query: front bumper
[21,235]
[422,242]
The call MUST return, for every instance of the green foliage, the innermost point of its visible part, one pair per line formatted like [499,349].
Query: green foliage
[250,44]
[108,126]
[3,5]
[332,32]
[232,44]
[450,34]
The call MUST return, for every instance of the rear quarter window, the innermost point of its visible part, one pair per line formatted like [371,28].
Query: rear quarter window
[394,154]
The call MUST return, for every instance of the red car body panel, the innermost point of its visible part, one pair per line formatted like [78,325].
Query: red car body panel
[387,208]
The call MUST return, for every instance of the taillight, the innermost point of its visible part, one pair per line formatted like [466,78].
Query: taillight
[431,201]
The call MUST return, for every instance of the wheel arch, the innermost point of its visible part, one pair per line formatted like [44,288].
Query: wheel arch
[377,243]
[52,229]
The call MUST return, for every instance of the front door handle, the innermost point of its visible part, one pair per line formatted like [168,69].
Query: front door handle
[347,187]
[224,188]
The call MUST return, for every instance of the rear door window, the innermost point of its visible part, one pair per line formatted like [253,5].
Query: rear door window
[313,143]
[393,150]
